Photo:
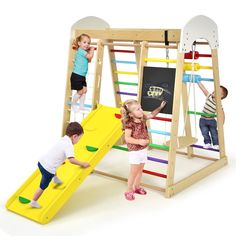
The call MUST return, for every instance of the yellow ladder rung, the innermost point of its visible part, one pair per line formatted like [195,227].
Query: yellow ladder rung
[159,60]
[126,72]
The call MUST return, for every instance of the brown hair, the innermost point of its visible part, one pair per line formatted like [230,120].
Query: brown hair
[75,45]
[74,128]
[125,111]
[225,91]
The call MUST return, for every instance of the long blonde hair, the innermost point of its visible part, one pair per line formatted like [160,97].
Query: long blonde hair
[125,111]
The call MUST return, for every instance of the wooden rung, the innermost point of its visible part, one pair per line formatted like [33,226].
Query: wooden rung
[150,45]
[122,44]
[125,180]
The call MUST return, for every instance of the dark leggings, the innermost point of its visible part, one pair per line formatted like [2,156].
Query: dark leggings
[46,177]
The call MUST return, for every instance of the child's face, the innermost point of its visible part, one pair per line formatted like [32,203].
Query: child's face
[221,93]
[137,111]
[84,43]
[75,138]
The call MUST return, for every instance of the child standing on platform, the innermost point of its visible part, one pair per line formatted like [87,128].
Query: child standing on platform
[207,124]
[136,137]
[55,157]
[83,56]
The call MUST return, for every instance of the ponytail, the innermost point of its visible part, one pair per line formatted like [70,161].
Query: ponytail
[125,111]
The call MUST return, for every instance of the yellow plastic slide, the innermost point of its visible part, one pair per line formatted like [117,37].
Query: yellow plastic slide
[102,129]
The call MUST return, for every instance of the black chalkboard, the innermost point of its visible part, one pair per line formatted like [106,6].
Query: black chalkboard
[158,86]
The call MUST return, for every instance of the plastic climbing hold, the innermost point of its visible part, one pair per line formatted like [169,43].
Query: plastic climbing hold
[118,116]
[24,200]
[91,149]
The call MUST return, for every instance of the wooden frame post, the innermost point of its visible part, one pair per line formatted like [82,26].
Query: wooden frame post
[142,63]
[219,111]
[98,74]
[68,92]
[175,124]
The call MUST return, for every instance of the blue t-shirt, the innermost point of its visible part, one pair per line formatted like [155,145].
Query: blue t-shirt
[81,62]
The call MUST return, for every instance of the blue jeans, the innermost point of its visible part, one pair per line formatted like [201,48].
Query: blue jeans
[209,131]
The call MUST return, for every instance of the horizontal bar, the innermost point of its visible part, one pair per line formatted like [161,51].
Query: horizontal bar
[125,180]
[195,66]
[150,45]
[207,79]
[155,174]
[125,93]
[201,113]
[157,146]
[120,148]
[126,72]
[178,152]
[159,132]
[162,119]
[201,43]
[123,51]
[123,62]
[86,105]
[159,60]
[195,78]
[149,157]
[122,44]
[117,35]
[201,147]
[206,67]
[196,54]
[126,83]
[187,65]
[204,55]
[157,160]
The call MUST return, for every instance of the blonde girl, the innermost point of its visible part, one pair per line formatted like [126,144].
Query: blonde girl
[83,56]
[136,138]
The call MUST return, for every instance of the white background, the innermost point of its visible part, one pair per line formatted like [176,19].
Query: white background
[34,45]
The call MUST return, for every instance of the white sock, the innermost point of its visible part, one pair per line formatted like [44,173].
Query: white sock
[76,97]
[81,101]
[34,204]
[56,180]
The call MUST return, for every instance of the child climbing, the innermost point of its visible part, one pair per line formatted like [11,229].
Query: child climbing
[136,137]
[208,125]
[83,55]
[49,163]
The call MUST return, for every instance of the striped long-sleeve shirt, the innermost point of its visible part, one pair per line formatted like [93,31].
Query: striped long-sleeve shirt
[210,106]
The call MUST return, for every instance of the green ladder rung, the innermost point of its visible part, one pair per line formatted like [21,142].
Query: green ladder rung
[201,113]
[162,147]
[120,148]
[126,83]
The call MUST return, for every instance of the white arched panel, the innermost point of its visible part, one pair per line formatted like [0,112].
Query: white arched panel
[199,27]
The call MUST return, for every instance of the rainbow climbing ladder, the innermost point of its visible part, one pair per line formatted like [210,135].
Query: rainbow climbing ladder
[101,131]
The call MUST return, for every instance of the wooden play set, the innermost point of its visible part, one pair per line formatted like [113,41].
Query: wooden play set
[200,30]
[102,125]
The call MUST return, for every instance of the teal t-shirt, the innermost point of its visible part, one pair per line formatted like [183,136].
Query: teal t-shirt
[81,62]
